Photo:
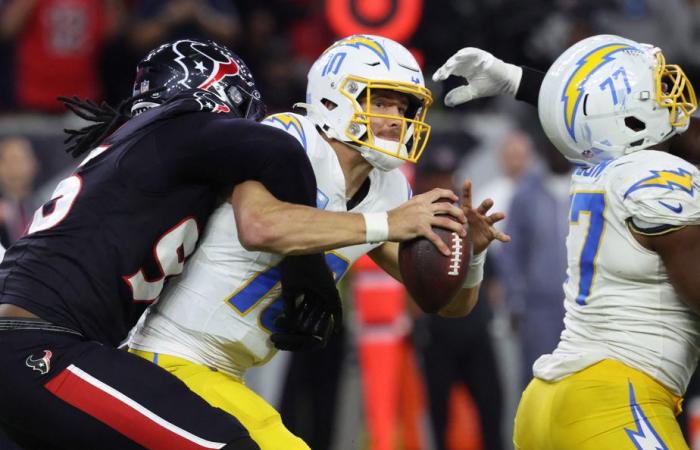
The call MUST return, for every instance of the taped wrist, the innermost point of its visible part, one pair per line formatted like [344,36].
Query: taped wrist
[376,227]
[476,271]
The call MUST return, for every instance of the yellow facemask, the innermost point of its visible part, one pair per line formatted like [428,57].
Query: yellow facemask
[674,91]
[360,120]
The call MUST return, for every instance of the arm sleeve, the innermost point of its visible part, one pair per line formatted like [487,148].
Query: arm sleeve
[529,89]
[649,229]
[229,151]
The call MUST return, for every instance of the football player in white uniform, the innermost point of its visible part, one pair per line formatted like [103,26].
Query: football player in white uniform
[365,116]
[630,342]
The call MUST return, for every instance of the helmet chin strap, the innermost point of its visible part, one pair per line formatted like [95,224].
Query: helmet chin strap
[379,160]
[141,107]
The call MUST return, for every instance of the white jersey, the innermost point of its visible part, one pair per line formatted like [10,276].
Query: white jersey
[619,301]
[220,311]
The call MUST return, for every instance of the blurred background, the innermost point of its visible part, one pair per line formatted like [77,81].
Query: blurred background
[395,378]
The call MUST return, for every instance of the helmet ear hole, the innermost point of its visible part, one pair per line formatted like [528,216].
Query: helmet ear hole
[634,124]
[235,95]
[330,105]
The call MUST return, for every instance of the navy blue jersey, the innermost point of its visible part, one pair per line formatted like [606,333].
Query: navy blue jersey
[131,213]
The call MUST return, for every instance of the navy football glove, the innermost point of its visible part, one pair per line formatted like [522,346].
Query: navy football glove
[303,326]
[312,307]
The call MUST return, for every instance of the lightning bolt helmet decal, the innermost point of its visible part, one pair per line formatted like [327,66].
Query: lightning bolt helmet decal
[585,67]
[358,41]
[607,96]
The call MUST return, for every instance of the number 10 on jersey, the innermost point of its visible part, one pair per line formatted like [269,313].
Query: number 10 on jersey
[591,204]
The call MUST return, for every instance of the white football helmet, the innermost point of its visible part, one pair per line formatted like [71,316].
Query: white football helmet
[607,96]
[363,64]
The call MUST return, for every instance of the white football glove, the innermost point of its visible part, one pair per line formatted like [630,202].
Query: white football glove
[486,75]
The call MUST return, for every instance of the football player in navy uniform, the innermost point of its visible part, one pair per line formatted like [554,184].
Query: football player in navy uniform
[111,235]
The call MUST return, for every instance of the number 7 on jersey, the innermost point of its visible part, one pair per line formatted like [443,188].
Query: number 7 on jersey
[591,204]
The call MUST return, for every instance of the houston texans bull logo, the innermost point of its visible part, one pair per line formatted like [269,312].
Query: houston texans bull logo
[217,64]
[221,79]
[209,66]
[214,62]
[41,365]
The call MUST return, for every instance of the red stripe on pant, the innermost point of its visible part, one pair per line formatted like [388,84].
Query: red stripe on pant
[119,415]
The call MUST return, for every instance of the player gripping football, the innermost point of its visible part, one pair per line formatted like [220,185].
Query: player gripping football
[365,116]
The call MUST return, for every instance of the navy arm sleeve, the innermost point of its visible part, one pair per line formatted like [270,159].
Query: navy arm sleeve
[216,150]
[529,89]
[227,151]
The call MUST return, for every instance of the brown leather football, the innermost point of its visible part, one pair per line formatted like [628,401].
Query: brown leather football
[430,277]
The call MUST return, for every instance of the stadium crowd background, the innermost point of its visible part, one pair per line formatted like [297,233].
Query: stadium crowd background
[395,379]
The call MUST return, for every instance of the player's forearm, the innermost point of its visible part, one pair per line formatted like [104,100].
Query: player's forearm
[466,298]
[462,304]
[297,230]
[386,256]
[267,224]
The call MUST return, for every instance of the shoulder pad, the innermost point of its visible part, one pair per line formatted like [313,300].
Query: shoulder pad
[657,188]
[295,124]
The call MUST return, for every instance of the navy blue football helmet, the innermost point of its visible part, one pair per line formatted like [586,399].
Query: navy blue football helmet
[188,64]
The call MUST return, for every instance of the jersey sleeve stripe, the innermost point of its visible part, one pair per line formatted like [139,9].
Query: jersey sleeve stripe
[652,231]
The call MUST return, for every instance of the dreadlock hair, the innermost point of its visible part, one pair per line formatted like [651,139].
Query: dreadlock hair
[106,120]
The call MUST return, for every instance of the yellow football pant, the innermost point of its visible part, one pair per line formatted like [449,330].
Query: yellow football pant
[261,420]
[608,406]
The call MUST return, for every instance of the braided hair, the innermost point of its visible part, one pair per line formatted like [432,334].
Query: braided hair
[106,120]
[105,117]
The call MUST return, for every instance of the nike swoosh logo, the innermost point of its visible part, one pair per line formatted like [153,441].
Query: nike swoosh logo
[676,209]
[622,163]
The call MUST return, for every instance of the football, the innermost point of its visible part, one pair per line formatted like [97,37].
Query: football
[430,277]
